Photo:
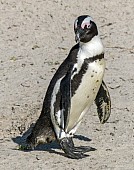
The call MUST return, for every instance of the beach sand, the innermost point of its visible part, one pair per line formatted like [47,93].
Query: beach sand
[35,37]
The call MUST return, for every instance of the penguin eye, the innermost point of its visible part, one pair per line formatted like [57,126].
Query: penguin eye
[88,26]
[85,25]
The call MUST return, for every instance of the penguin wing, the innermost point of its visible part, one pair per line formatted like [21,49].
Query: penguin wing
[65,89]
[103,103]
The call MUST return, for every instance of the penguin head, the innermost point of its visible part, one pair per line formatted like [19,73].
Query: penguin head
[85,29]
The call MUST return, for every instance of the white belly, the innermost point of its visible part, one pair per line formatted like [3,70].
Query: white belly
[86,93]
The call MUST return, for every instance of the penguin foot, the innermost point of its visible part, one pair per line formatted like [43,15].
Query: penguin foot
[73,152]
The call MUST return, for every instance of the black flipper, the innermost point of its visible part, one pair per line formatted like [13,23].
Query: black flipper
[66,143]
[103,103]
[65,89]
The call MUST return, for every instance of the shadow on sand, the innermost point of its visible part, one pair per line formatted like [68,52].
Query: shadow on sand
[49,147]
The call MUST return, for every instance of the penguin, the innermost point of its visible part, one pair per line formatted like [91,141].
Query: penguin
[76,85]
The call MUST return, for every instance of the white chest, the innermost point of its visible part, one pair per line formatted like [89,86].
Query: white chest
[86,92]
[90,81]
[89,84]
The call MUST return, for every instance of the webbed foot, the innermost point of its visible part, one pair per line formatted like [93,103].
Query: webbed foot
[74,152]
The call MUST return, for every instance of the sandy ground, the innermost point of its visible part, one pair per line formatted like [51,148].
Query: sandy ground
[35,37]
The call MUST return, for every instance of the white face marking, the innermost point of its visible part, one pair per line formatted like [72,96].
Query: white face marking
[86,22]
[75,23]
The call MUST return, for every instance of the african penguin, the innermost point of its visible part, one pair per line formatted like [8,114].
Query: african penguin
[77,83]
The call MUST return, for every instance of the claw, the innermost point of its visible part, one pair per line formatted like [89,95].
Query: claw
[85,149]
[73,152]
